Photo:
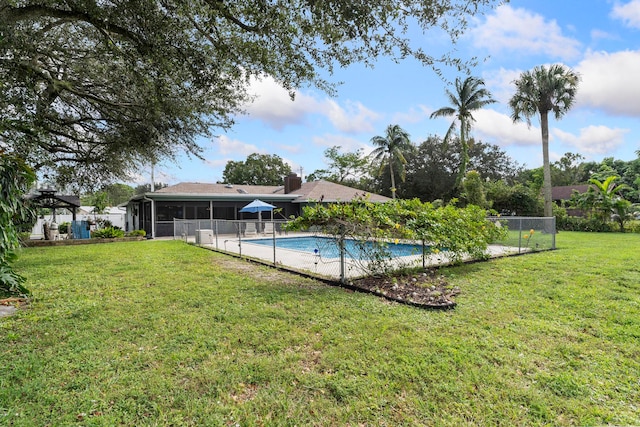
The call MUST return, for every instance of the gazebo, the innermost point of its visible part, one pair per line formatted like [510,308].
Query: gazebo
[49,199]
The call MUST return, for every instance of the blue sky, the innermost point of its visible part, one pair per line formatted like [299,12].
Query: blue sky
[599,39]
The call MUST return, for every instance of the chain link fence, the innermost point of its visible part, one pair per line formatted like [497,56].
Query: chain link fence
[313,253]
[528,234]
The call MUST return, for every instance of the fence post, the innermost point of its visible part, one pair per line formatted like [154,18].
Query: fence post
[273,233]
[343,278]
[424,255]
[215,226]
[519,235]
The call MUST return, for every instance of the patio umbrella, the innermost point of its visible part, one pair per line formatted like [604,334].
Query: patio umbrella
[258,206]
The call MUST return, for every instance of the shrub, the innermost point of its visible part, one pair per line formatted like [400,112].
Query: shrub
[136,233]
[107,233]
[576,223]
[459,231]
[64,227]
[15,178]
[632,226]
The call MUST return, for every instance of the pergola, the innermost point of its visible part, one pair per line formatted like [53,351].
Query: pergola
[49,199]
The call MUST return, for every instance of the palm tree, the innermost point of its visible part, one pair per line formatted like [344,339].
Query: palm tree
[607,198]
[470,95]
[390,149]
[538,92]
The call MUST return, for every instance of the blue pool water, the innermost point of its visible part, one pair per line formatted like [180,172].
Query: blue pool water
[328,247]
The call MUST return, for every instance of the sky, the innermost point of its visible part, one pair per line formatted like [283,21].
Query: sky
[599,39]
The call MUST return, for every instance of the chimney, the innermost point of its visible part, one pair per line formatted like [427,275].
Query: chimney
[292,182]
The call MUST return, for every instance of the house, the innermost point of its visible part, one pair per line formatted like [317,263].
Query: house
[154,211]
[562,194]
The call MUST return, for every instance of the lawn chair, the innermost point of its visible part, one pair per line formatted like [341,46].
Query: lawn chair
[268,228]
[250,229]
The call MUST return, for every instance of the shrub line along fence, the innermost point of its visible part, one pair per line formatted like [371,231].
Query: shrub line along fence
[318,255]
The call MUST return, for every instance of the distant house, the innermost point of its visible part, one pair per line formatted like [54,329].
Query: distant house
[564,193]
[561,195]
[154,211]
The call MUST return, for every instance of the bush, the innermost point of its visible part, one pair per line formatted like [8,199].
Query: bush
[107,233]
[632,227]
[64,227]
[576,223]
[136,233]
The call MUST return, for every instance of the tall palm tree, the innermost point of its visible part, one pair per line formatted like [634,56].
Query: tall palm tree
[539,91]
[390,149]
[469,96]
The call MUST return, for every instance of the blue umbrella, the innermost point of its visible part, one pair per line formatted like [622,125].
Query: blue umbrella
[258,206]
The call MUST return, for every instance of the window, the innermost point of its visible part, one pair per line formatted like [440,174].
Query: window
[166,211]
[197,210]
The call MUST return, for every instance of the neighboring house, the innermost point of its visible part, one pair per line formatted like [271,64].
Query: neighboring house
[562,195]
[154,212]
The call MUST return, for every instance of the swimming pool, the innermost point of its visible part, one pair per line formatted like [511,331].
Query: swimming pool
[327,247]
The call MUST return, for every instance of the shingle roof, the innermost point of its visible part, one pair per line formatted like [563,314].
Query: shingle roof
[327,191]
[565,192]
[207,188]
[310,191]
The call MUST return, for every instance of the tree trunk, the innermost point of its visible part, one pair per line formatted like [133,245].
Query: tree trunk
[465,157]
[393,180]
[546,167]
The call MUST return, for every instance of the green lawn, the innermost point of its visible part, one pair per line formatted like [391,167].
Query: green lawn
[161,333]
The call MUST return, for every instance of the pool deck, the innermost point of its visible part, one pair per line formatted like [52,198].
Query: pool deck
[325,267]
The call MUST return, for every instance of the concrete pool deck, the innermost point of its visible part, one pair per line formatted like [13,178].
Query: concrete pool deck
[327,267]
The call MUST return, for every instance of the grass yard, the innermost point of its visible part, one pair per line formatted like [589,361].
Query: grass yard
[158,333]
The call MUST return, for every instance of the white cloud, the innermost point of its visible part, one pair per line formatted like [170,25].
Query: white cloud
[497,128]
[628,13]
[228,146]
[519,30]
[501,84]
[414,115]
[610,82]
[355,118]
[293,149]
[602,35]
[274,106]
[346,143]
[593,139]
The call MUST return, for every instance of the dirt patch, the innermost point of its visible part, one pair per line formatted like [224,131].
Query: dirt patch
[9,306]
[427,289]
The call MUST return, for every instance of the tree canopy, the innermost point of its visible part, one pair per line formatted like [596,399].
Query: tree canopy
[258,169]
[343,168]
[92,89]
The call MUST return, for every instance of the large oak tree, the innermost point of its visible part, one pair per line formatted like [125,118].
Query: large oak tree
[92,88]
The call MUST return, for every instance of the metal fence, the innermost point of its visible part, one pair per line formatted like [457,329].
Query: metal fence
[528,234]
[316,254]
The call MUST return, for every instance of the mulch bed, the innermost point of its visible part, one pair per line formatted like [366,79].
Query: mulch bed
[427,290]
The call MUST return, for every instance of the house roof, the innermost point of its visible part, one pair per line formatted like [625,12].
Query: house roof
[565,192]
[309,192]
[327,191]
[207,188]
